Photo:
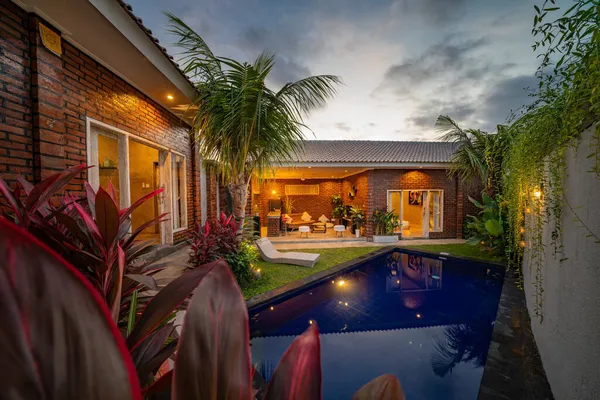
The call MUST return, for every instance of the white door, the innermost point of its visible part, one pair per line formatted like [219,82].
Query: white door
[164,199]
[425,215]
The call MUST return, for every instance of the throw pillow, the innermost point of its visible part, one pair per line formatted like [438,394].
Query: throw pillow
[323,219]
[306,217]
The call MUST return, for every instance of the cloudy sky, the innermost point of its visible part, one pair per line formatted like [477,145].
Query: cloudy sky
[403,62]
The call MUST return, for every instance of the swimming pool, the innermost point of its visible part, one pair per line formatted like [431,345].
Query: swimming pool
[426,319]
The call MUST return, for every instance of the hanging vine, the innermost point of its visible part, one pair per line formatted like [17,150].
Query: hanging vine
[566,104]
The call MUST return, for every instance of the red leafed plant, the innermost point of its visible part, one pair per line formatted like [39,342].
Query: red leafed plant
[58,339]
[213,240]
[91,232]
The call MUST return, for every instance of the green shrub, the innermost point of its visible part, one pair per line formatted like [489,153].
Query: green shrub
[489,229]
[243,262]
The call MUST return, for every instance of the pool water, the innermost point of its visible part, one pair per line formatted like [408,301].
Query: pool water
[426,320]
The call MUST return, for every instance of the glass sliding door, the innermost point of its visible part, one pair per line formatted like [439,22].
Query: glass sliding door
[136,167]
[394,203]
[143,162]
[179,193]
[435,211]
[108,162]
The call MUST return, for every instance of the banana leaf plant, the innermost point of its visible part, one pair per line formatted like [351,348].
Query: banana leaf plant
[58,339]
[487,230]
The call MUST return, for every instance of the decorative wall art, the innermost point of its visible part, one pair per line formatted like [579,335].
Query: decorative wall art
[415,198]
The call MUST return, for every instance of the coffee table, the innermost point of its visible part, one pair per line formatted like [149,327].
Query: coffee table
[319,227]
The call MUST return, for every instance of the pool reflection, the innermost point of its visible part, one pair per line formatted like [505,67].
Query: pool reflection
[426,320]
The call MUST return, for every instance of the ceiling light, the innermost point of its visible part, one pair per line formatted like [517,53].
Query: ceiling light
[170,97]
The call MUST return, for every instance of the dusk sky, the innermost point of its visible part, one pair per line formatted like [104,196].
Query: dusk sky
[403,62]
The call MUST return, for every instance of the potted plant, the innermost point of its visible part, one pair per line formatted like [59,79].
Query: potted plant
[385,223]
[339,209]
[358,219]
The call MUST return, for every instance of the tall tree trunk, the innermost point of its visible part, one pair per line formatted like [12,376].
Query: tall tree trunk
[239,197]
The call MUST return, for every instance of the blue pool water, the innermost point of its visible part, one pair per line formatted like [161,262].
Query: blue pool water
[426,320]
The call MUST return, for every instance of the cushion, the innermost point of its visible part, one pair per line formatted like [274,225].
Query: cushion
[286,218]
[306,217]
[323,219]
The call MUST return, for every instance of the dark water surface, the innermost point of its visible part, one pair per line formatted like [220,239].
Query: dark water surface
[426,320]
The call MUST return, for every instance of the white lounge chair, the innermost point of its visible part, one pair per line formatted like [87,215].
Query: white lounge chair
[269,253]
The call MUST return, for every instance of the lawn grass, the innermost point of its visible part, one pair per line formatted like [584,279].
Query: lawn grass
[459,250]
[276,275]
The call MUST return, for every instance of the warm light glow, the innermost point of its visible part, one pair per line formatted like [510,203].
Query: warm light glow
[332,281]
[418,315]
[346,304]
[345,170]
[310,321]
[522,230]
[170,97]
[309,167]
[537,194]
[482,242]
[274,191]
[527,210]
[340,302]
[258,270]
[341,283]
[272,308]
[398,282]
[523,244]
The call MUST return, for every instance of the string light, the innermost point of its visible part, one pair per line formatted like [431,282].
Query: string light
[272,308]
[528,210]
[537,194]
[419,316]
[341,283]
[346,304]
[523,244]
[522,230]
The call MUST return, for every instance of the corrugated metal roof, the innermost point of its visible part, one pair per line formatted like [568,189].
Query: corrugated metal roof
[370,151]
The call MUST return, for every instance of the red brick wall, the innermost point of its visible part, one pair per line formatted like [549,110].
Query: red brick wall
[46,99]
[16,131]
[380,181]
[360,182]
[314,205]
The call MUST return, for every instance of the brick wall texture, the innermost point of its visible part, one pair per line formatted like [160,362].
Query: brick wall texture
[45,100]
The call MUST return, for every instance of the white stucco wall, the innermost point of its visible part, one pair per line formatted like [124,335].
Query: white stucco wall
[568,338]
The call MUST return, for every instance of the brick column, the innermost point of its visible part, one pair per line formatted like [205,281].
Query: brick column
[370,204]
[48,104]
[459,208]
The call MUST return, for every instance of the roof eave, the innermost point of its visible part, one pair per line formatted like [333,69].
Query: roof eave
[370,165]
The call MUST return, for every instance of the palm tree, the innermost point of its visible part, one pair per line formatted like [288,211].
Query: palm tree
[241,127]
[479,154]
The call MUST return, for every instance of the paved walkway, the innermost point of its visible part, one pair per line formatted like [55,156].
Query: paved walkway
[332,245]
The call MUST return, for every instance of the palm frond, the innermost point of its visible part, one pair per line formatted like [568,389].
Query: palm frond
[308,94]
[239,124]
[197,58]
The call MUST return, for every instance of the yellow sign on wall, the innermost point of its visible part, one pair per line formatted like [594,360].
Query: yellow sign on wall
[50,39]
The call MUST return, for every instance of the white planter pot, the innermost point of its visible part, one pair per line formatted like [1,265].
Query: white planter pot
[357,233]
[385,239]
